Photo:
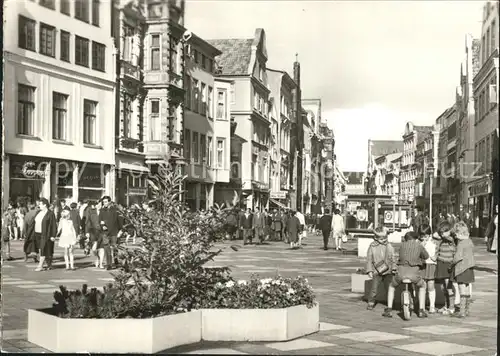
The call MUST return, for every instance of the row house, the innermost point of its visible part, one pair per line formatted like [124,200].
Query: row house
[466,119]
[386,177]
[282,117]
[243,61]
[482,188]
[377,150]
[313,109]
[409,171]
[59,81]
[424,158]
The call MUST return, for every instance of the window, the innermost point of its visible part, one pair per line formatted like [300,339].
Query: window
[493,31]
[47,40]
[203,148]
[221,104]
[187,145]
[203,106]
[196,57]
[81,51]
[203,61]
[26,38]
[25,110]
[98,56]
[233,94]
[65,44]
[95,12]
[254,167]
[487,154]
[82,10]
[196,152]
[154,121]
[261,105]
[48,4]
[188,91]
[89,122]
[483,49]
[196,97]
[210,65]
[155,52]
[59,116]
[209,150]
[210,102]
[64,4]
[127,115]
[220,153]
[256,100]
[487,44]
[173,55]
[155,11]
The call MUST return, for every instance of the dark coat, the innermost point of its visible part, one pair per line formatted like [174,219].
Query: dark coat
[111,219]
[293,228]
[30,243]
[258,221]
[49,229]
[75,218]
[92,226]
[277,223]
[246,222]
[325,223]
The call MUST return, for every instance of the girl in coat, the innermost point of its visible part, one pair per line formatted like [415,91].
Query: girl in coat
[431,245]
[445,254]
[463,267]
[67,238]
[45,234]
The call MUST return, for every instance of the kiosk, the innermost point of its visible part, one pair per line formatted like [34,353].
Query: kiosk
[365,212]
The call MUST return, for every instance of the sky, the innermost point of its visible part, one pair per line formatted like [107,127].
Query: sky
[375,65]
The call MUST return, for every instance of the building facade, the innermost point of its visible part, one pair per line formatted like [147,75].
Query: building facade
[243,61]
[409,168]
[485,86]
[315,188]
[355,183]
[466,120]
[58,95]
[377,162]
[282,87]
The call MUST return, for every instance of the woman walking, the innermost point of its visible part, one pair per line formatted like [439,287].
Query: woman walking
[45,234]
[67,238]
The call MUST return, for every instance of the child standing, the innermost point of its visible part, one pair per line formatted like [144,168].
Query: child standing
[463,263]
[379,264]
[67,238]
[446,251]
[430,246]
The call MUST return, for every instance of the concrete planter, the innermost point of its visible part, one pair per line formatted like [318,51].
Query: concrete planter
[259,324]
[112,335]
[358,282]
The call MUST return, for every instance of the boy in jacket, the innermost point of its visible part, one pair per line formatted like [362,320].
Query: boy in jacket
[380,263]
[412,256]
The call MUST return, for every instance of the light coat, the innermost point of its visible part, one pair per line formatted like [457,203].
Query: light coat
[464,256]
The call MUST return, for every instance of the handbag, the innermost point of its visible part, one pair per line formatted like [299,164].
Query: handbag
[344,238]
[382,267]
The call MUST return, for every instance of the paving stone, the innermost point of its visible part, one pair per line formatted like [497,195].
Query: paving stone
[439,348]
[439,329]
[299,344]
[216,352]
[328,327]
[371,336]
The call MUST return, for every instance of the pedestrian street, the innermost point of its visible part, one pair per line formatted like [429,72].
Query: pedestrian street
[346,326]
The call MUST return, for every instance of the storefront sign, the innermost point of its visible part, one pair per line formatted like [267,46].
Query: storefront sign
[481,188]
[28,169]
[137,191]
[278,195]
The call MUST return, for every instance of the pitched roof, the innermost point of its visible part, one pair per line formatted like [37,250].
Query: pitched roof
[382,148]
[235,57]
[353,177]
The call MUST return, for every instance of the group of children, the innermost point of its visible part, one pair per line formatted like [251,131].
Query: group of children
[445,258]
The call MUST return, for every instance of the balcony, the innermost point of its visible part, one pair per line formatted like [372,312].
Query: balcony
[158,151]
[129,71]
[129,143]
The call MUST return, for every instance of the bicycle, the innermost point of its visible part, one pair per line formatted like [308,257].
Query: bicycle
[407,300]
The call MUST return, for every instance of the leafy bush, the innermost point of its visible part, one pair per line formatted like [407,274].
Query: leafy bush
[167,272]
[269,293]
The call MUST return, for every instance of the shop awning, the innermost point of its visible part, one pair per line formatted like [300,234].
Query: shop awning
[281,205]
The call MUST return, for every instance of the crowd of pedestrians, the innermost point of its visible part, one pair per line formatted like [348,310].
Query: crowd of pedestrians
[444,258]
[95,226]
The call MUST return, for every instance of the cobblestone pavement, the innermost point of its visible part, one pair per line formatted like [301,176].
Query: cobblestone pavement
[346,326]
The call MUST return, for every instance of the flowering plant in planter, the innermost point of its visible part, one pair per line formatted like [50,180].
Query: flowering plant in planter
[258,293]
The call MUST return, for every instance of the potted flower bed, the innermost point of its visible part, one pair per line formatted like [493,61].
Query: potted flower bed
[164,296]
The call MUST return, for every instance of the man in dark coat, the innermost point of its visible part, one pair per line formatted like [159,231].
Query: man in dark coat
[325,225]
[276,225]
[284,223]
[30,246]
[232,224]
[418,219]
[246,225]
[109,216]
[293,229]
[258,222]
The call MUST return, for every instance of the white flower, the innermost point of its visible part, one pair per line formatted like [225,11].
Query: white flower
[242,282]
[229,284]
[290,291]
[266,280]
[218,285]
